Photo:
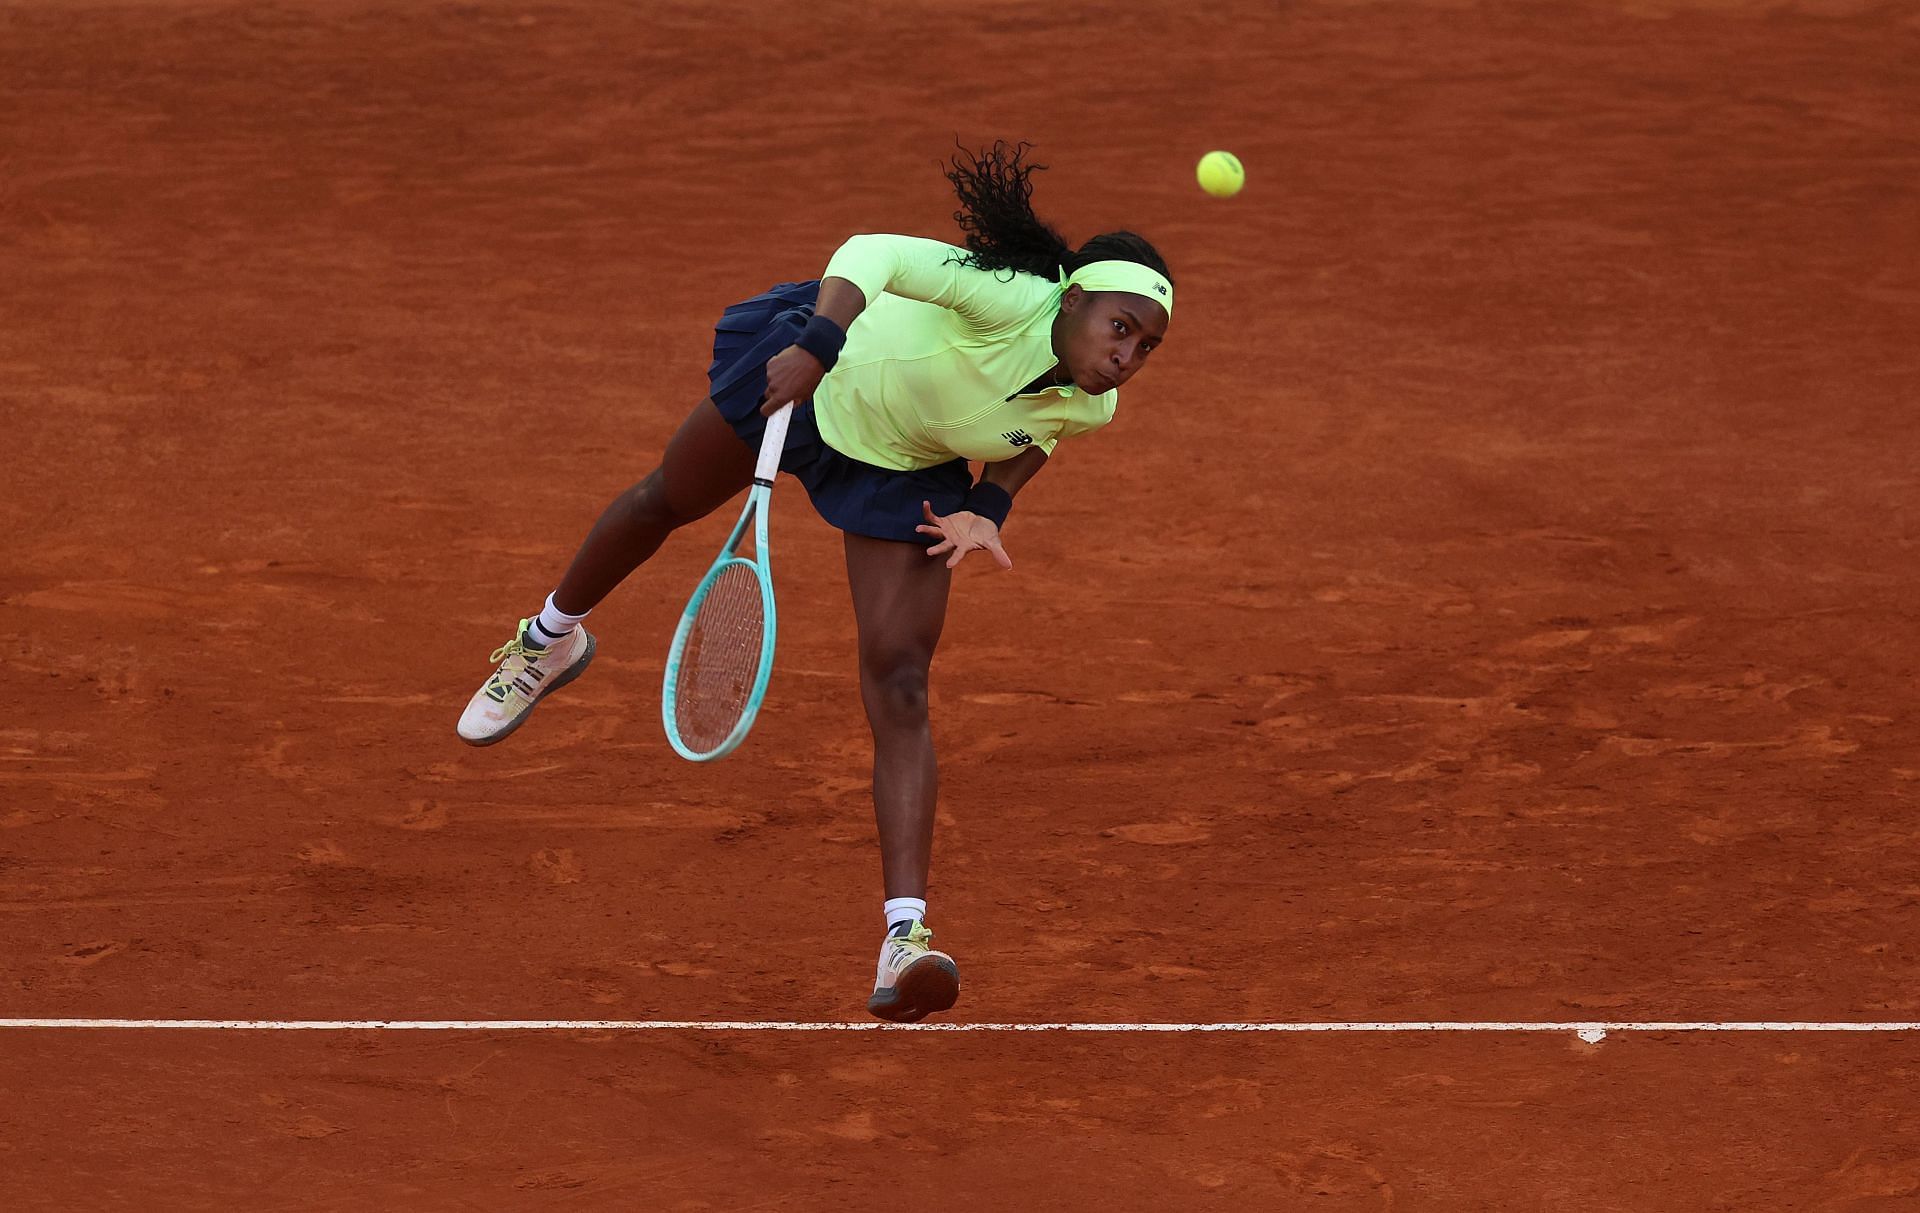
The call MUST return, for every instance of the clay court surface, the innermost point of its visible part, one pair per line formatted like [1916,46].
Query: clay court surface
[1496,603]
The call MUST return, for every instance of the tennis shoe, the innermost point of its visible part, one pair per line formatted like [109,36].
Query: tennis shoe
[914,981]
[527,674]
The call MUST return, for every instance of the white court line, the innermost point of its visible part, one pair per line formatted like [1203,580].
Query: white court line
[1583,1027]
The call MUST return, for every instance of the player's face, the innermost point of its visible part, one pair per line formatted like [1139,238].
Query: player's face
[1103,338]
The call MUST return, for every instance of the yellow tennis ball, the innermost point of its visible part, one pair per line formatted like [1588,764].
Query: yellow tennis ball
[1221,175]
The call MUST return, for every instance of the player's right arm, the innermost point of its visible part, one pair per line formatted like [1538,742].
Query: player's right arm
[932,271]
[793,373]
[912,267]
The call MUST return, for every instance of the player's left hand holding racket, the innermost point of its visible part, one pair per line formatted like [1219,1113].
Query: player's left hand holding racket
[722,655]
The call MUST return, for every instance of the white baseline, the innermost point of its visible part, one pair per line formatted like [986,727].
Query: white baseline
[1585,1028]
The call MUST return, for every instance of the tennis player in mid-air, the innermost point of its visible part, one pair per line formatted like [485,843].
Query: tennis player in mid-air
[906,360]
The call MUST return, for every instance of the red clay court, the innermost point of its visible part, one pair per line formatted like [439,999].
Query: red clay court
[1495,605]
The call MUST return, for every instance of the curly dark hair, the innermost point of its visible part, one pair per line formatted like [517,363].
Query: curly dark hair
[1002,232]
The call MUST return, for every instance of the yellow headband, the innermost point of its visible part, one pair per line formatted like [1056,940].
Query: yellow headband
[1129,276]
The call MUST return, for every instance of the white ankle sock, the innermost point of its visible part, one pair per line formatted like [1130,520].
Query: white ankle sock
[553,623]
[905,909]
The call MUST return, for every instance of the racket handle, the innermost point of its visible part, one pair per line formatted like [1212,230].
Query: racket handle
[772,443]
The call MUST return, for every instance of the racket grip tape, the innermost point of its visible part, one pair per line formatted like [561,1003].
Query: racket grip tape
[772,443]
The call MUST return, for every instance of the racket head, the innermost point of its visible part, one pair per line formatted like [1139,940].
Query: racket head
[721,660]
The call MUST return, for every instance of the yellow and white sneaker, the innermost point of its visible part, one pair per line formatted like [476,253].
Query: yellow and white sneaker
[527,672]
[914,981]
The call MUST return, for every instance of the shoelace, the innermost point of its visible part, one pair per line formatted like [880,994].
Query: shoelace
[502,686]
[917,936]
[903,951]
[513,648]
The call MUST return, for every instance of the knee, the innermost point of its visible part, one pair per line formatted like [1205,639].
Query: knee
[895,685]
[646,505]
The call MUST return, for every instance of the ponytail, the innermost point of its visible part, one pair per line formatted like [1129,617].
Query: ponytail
[996,213]
[1001,232]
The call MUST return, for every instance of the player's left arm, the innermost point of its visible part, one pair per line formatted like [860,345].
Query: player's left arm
[1013,474]
[963,530]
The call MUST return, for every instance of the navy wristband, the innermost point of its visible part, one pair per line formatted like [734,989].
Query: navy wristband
[822,338]
[989,500]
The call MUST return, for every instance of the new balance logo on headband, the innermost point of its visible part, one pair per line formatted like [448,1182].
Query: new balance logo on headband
[1018,438]
[1160,288]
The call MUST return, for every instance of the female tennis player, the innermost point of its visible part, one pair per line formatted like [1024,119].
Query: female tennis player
[906,360]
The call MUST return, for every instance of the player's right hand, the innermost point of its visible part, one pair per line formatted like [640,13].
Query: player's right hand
[792,376]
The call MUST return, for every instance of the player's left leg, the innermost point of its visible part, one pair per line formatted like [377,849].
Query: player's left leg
[900,606]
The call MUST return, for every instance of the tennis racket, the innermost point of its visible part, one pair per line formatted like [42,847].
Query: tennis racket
[722,655]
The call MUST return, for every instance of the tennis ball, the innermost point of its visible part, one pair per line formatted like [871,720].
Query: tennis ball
[1221,175]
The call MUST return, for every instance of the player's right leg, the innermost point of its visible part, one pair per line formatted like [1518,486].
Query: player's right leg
[705,464]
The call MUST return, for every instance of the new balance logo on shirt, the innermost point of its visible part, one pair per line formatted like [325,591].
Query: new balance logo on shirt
[1018,438]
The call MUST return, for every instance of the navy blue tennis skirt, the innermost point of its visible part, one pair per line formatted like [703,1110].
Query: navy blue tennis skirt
[857,497]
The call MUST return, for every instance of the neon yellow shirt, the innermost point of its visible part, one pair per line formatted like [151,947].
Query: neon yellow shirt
[933,368]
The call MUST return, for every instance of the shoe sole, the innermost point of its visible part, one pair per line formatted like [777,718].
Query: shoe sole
[927,986]
[572,672]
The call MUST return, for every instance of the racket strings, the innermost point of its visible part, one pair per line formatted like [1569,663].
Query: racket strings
[721,660]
